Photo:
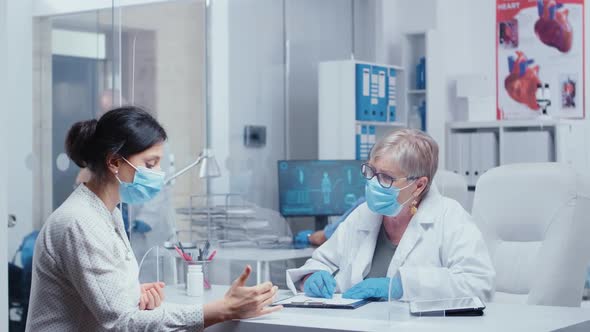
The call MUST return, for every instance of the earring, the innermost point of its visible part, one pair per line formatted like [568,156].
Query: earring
[414,209]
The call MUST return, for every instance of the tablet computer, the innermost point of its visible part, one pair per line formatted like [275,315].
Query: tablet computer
[464,306]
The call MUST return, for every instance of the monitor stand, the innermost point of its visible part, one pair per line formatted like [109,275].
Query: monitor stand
[320,222]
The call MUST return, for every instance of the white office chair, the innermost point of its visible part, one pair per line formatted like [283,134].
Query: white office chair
[452,186]
[534,219]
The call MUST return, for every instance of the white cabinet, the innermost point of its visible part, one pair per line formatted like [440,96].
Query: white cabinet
[475,147]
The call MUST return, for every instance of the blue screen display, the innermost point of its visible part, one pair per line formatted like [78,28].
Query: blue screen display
[319,187]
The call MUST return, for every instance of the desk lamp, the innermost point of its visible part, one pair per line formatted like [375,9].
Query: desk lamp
[209,167]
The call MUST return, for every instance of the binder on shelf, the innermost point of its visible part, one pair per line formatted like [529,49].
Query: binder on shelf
[363,92]
[421,74]
[364,142]
[465,157]
[488,152]
[527,146]
[423,61]
[392,95]
[476,153]
[378,93]
[372,139]
[454,162]
[422,113]
[358,147]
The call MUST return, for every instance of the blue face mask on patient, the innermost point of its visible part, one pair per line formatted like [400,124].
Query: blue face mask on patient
[383,201]
[146,185]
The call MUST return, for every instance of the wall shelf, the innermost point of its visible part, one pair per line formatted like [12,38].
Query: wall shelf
[475,147]
[383,124]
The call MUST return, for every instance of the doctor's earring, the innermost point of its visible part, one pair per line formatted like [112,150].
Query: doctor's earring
[414,209]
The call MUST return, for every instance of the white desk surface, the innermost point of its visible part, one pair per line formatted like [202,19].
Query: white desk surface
[374,317]
[263,255]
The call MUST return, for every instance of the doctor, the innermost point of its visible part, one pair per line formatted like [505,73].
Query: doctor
[425,244]
[85,276]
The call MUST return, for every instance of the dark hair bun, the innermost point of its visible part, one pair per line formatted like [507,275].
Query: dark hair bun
[79,142]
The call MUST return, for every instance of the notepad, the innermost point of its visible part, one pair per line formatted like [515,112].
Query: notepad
[336,302]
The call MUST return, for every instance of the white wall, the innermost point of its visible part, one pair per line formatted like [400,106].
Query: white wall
[256,91]
[400,17]
[3,145]
[18,103]
[247,88]
[249,78]
[218,62]
[397,17]
[315,31]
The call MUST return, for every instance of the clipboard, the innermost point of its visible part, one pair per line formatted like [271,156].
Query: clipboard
[337,302]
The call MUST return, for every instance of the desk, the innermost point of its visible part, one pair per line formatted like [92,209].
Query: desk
[263,257]
[374,317]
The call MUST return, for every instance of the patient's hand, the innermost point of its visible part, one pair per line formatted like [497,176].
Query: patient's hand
[152,295]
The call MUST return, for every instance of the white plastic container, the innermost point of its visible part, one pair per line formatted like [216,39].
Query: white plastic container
[194,280]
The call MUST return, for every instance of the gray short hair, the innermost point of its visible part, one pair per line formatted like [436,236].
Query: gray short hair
[414,151]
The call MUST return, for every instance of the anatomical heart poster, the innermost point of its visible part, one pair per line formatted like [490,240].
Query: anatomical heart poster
[540,59]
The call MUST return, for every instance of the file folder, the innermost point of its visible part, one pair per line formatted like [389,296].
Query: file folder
[363,92]
[378,94]
[392,95]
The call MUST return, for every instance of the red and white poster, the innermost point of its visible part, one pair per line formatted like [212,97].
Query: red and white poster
[540,58]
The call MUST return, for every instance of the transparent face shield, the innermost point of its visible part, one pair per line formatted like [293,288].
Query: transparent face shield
[169,264]
[401,313]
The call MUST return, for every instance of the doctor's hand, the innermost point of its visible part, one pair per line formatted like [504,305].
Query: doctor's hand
[152,295]
[320,284]
[318,238]
[301,240]
[241,302]
[375,288]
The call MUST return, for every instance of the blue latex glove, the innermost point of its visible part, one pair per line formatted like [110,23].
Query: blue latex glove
[375,288]
[140,226]
[320,284]
[302,239]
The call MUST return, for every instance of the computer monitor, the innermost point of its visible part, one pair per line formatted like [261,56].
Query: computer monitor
[319,187]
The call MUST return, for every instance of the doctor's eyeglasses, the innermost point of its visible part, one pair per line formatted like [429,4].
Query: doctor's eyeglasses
[386,181]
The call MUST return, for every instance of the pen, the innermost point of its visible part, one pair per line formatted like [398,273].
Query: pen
[206,249]
[334,273]
[182,254]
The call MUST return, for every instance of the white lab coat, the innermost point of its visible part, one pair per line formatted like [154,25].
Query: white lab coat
[441,254]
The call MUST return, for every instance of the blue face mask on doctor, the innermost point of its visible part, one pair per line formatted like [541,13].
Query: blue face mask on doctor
[146,185]
[382,200]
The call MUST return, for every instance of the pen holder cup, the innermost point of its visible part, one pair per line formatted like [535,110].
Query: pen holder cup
[205,268]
